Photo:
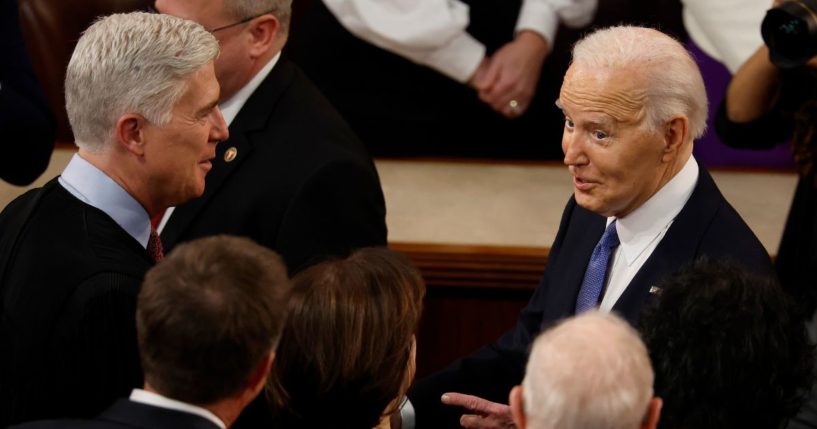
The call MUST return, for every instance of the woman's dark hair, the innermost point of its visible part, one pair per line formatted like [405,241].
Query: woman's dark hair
[728,350]
[343,359]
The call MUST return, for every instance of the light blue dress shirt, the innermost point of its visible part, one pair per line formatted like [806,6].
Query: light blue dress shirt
[95,188]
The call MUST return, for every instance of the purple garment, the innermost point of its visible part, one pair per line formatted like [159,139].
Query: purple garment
[709,149]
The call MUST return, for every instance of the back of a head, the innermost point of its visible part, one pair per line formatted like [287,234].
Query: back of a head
[207,316]
[672,78]
[589,371]
[728,349]
[135,62]
[347,353]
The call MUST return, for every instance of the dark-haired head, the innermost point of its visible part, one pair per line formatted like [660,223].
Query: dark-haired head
[347,353]
[727,348]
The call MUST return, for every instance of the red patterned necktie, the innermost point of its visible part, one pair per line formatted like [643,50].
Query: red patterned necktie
[155,246]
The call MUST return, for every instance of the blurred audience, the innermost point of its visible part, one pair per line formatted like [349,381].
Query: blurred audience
[26,123]
[208,319]
[346,357]
[589,371]
[73,253]
[727,348]
[292,176]
[766,105]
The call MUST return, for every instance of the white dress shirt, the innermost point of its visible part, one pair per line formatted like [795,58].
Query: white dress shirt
[229,110]
[640,231]
[432,32]
[93,187]
[727,30]
[157,400]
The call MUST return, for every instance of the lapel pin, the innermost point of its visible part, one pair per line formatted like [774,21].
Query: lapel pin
[655,290]
[230,155]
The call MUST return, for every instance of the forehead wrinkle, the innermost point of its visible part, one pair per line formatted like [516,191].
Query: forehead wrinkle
[621,104]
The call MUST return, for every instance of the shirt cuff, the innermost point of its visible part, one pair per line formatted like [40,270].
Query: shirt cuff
[458,59]
[539,17]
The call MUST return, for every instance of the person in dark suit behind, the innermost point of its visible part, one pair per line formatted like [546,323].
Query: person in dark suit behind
[208,319]
[293,176]
[26,124]
[634,101]
[142,100]
[589,371]
[728,348]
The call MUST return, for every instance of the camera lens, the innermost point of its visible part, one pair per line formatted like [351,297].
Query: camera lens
[790,32]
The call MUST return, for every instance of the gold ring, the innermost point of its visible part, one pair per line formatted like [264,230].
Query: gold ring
[514,106]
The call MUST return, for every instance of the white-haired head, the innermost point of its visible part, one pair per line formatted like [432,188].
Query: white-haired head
[590,371]
[673,80]
[131,63]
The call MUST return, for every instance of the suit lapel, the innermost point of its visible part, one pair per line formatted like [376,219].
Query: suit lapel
[579,243]
[254,116]
[679,246]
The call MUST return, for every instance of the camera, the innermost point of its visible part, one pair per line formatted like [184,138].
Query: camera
[790,32]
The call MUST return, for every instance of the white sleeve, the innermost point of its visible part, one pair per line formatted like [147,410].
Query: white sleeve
[428,32]
[544,16]
[727,30]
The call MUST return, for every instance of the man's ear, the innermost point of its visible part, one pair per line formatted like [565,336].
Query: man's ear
[653,413]
[264,32]
[676,133]
[517,407]
[129,133]
[258,377]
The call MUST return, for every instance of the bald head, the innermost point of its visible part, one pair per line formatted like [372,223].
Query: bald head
[589,371]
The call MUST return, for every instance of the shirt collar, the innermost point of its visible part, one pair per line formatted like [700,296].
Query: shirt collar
[95,188]
[637,230]
[157,400]
[230,108]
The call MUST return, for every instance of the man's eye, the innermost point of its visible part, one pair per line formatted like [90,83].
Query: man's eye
[569,123]
[599,135]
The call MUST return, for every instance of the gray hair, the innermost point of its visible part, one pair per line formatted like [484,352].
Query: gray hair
[135,62]
[590,371]
[242,9]
[675,85]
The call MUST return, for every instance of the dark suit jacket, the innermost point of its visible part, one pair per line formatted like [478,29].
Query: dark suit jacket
[128,414]
[69,276]
[707,225]
[302,184]
[26,124]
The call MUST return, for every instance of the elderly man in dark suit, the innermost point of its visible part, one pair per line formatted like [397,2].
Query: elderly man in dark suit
[202,366]
[141,96]
[292,176]
[634,101]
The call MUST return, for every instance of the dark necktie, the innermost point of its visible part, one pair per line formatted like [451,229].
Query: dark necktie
[155,246]
[596,273]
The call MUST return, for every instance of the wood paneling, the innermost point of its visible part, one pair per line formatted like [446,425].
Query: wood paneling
[474,294]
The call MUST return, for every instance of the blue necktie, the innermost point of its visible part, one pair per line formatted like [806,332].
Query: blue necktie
[596,272]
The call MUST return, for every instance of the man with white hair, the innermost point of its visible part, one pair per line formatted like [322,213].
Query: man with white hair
[589,371]
[142,99]
[634,101]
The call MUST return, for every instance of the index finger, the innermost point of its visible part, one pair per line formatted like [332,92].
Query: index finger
[471,402]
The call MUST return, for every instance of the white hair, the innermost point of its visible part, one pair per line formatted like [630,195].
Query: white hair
[135,62]
[674,82]
[589,372]
[242,9]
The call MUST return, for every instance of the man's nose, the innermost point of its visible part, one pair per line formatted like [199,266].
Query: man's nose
[220,131]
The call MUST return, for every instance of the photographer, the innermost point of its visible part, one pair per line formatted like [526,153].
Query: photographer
[771,101]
